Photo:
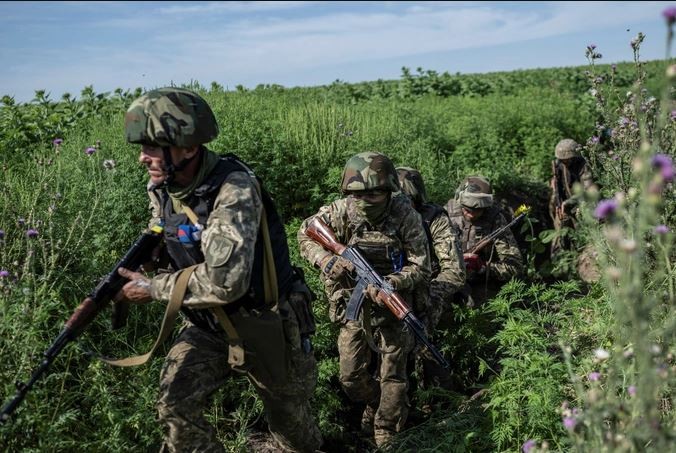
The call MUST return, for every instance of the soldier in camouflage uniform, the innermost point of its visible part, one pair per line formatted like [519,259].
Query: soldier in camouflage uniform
[473,212]
[386,229]
[568,169]
[213,210]
[448,267]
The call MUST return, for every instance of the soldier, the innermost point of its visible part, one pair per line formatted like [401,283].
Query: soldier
[473,212]
[242,298]
[568,169]
[387,231]
[448,267]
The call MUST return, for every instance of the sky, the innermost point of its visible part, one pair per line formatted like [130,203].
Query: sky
[64,46]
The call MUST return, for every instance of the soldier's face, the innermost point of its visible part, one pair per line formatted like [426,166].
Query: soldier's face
[153,158]
[371,196]
[472,214]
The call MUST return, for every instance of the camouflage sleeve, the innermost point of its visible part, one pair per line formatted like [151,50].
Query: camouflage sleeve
[330,215]
[417,269]
[509,262]
[228,243]
[448,250]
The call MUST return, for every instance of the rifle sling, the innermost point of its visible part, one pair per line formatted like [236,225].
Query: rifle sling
[170,315]
[366,325]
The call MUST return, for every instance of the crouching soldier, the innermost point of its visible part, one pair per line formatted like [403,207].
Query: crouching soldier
[473,212]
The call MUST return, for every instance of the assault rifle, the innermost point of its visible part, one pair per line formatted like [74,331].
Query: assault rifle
[85,313]
[324,236]
[521,212]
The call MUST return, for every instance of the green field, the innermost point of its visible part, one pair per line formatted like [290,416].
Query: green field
[530,350]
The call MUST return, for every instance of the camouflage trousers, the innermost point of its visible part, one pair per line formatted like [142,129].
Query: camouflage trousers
[388,391]
[197,365]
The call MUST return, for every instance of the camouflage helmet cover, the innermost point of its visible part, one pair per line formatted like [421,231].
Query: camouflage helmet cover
[170,117]
[475,192]
[412,184]
[369,171]
[567,149]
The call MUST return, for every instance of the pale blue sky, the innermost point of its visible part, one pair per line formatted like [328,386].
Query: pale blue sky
[64,46]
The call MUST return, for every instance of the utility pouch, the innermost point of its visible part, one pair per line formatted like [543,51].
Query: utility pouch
[262,340]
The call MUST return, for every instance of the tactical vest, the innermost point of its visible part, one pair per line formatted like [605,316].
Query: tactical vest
[382,248]
[429,212]
[184,254]
[471,233]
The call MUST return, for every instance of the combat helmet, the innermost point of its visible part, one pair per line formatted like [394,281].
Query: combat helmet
[412,184]
[170,117]
[369,171]
[475,192]
[567,149]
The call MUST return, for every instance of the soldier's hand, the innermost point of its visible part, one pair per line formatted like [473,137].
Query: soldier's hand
[473,262]
[136,290]
[372,291]
[336,267]
[396,280]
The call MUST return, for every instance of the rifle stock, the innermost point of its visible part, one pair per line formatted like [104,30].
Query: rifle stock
[321,233]
[85,313]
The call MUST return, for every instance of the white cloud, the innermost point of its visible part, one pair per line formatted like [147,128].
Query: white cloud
[212,44]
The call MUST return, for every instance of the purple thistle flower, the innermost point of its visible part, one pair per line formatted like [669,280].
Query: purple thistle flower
[672,115]
[2,234]
[4,274]
[594,376]
[595,140]
[605,208]
[57,141]
[624,121]
[661,229]
[89,151]
[631,390]
[32,233]
[664,164]
[591,46]
[528,446]
[670,15]
[569,423]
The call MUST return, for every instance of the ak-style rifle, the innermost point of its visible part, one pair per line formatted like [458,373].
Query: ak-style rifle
[321,233]
[139,253]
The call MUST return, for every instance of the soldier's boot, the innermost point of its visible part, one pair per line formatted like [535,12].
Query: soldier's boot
[367,418]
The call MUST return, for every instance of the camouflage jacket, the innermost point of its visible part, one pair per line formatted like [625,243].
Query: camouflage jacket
[503,258]
[401,234]
[447,248]
[227,244]
[563,180]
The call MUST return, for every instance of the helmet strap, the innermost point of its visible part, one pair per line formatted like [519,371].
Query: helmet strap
[172,168]
[168,165]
